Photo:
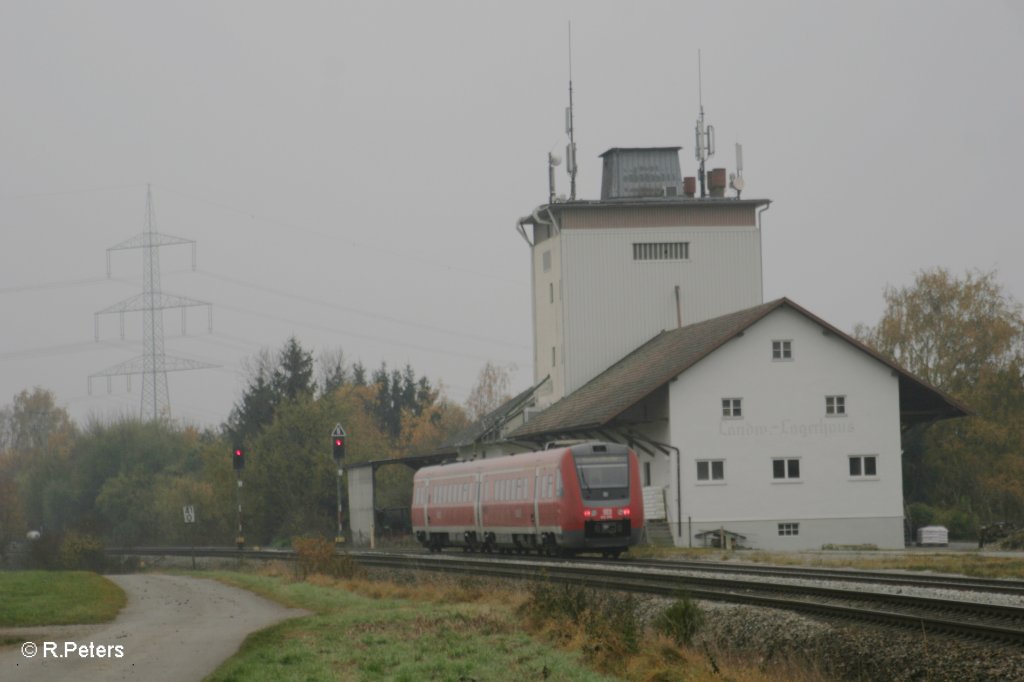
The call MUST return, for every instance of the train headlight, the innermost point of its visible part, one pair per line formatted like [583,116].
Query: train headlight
[625,513]
[587,513]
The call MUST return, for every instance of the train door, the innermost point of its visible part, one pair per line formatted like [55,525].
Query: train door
[426,504]
[478,521]
[535,512]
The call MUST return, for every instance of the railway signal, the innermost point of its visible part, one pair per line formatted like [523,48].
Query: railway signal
[338,441]
[238,458]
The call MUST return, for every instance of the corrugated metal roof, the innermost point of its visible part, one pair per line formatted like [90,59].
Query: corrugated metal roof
[670,353]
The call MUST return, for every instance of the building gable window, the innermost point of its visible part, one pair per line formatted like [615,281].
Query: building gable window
[786,469]
[732,408]
[863,466]
[661,251]
[710,470]
[789,529]
[835,405]
[782,350]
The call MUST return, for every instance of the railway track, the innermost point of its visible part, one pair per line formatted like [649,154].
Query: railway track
[737,584]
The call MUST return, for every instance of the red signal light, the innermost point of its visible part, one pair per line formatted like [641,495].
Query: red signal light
[338,447]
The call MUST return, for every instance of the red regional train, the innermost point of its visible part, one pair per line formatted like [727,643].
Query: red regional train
[579,498]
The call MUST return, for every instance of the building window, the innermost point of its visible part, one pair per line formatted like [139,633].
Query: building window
[732,407]
[661,251]
[552,356]
[551,291]
[782,350]
[546,258]
[786,469]
[789,529]
[835,405]
[647,474]
[711,470]
[863,465]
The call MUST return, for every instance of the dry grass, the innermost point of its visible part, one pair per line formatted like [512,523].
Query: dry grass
[654,658]
[959,563]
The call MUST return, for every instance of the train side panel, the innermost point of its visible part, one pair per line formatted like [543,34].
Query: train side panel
[583,498]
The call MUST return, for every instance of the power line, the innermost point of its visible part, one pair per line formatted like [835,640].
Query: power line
[410,255]
[364,313]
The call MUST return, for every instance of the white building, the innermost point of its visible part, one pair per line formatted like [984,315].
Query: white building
[757,419]
[767,423]
[609,274]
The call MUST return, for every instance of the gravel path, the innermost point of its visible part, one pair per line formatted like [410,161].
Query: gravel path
[173,628]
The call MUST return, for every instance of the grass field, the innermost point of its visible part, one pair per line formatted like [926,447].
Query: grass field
[57,598]
[384,636]
[448,628]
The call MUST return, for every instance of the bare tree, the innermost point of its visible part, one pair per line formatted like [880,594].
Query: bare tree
[491,390]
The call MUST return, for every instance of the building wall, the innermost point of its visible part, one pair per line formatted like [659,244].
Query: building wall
[784,416]
[611,303]
[360,503]
[547,319]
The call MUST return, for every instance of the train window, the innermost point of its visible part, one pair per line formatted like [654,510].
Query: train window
[603,476]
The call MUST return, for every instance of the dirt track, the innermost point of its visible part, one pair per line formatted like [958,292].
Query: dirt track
[173,628]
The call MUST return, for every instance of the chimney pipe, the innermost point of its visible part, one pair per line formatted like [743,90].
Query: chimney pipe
[689,186]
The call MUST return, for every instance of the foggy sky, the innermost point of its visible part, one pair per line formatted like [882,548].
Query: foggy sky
[352,172]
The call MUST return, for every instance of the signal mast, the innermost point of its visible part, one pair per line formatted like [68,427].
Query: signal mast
[705,146]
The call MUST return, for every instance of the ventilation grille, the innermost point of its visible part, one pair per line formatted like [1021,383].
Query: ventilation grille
[661,251]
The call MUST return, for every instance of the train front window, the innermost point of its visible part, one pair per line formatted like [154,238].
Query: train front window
[603,476]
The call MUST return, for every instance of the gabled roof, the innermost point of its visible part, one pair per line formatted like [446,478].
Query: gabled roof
[671,353]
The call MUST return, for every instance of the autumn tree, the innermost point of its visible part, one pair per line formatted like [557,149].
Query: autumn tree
[964,335]
[952,332]
[33,423]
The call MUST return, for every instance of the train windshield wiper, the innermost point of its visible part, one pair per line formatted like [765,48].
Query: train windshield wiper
[583,479]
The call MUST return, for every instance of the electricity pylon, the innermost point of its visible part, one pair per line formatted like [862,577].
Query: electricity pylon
[153,364]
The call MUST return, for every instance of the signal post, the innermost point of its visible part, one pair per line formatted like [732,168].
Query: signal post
[338,442]
[238,462]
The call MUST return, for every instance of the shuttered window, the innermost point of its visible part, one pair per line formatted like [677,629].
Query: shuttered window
[661,251]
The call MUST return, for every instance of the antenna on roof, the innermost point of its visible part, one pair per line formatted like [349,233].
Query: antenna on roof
[570,150]
[736,179]
[705,146]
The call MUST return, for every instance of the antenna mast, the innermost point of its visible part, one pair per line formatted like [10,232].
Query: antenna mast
[705,146]
[570,150]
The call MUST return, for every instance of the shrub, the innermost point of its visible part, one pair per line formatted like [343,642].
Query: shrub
[317,555]
[44,552]
[604,625]
[922,515]
[1013,541]
[680,621]
[79,551]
